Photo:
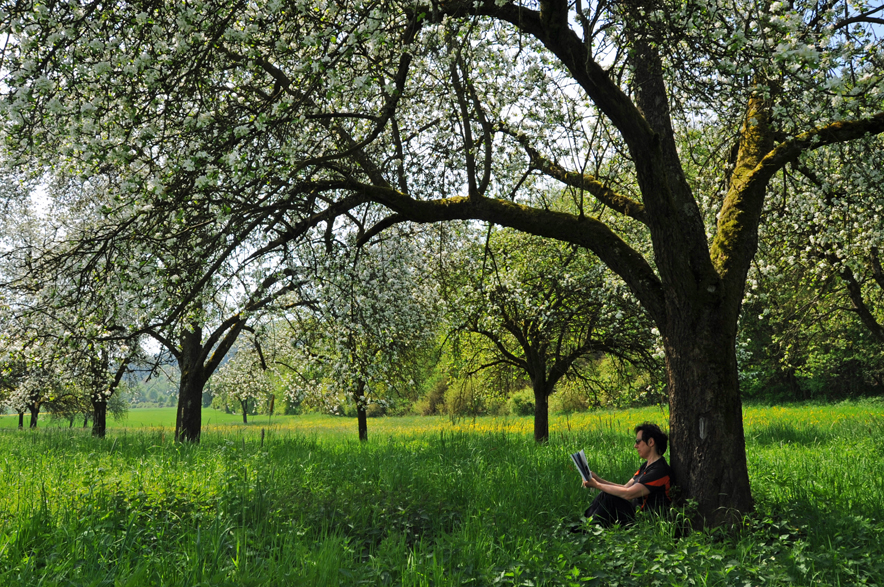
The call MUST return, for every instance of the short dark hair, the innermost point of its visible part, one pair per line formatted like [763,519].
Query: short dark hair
[649,430]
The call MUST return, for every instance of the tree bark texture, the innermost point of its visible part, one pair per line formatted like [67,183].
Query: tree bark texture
[21,420]
[245,411]
[543,382]
[541,414]
[361,414]
[99,417]
[188,423]
[708,456]
[197,361]
[35,411]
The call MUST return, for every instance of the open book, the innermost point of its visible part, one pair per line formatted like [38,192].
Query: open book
[579,459]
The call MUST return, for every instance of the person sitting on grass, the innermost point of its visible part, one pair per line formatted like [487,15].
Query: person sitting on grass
[648,490]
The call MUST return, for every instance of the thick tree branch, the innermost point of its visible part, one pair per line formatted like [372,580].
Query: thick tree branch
[864,17]
[378,228]
[681,248]
[736,237]
[734,245]
[163,340]
[790,150]
[586,232]
[334,210]
[487,135]
[509,357]
[466,127]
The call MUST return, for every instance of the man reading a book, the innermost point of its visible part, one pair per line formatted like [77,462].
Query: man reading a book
[648,490]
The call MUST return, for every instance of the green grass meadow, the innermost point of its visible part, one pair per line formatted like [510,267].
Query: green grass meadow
[139,419]
[426,501]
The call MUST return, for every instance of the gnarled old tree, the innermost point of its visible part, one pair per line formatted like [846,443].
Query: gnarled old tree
[792,86]
[288,113]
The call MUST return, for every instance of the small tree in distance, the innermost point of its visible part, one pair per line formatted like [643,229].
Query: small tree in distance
[521,302]
[373,316]
[244,383]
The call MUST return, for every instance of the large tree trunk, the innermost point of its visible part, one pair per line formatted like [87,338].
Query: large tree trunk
[361,415]
[35,411]
[708,455]
[21,420]
[703,286]
[99,417]
[190,389]
[244,404]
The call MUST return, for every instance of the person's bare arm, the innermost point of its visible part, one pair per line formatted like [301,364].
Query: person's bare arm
[631,490]
[606,482]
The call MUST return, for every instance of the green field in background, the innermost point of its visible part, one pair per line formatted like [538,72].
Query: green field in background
[757,419]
